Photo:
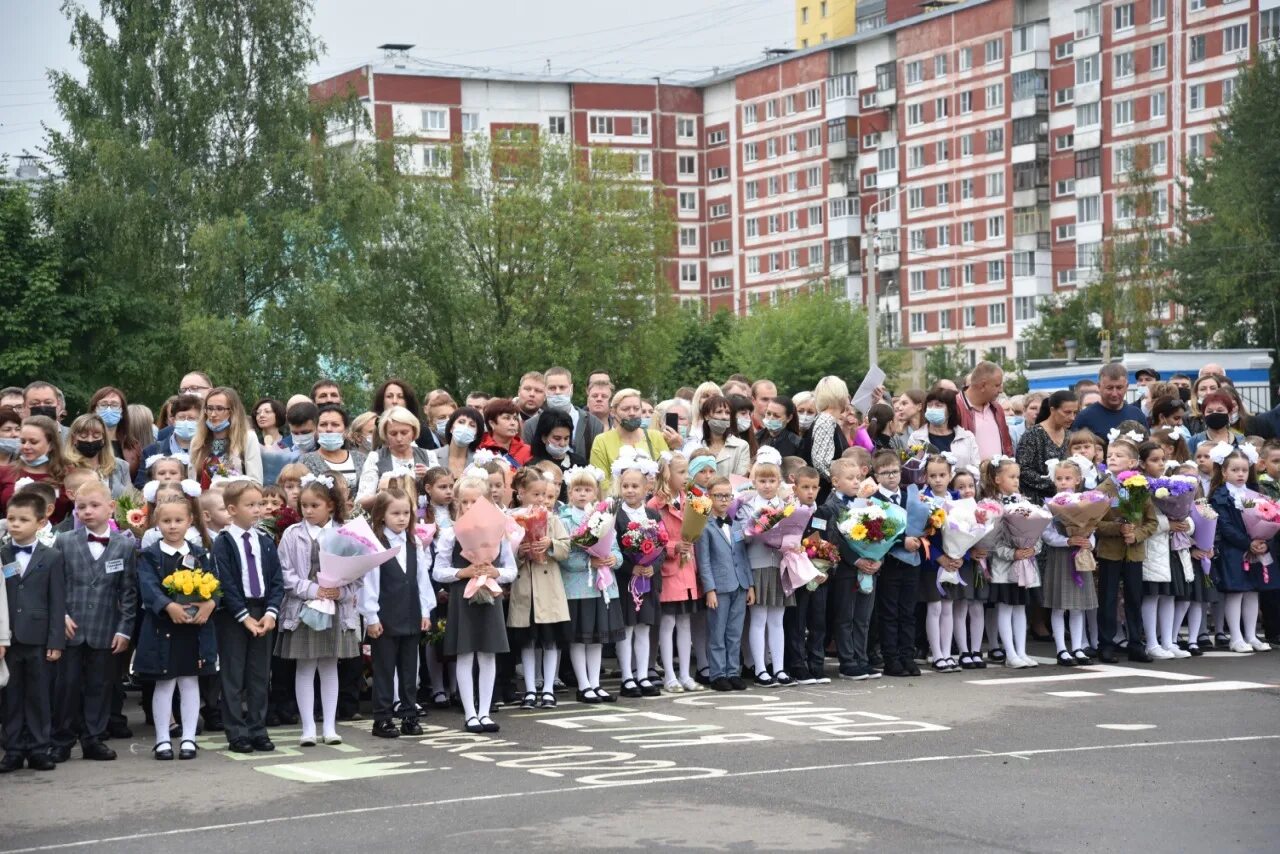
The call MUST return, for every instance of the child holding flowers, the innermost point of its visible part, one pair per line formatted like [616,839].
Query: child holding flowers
[755,516]
[1167,570]
[1067,584]
[1240,571]
[1122,536]
[804,627]
[938,565]
[638,532]
[177,643]
[1013,569]
[679,593]
[968,616]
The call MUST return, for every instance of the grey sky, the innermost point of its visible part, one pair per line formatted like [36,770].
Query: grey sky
[609,38]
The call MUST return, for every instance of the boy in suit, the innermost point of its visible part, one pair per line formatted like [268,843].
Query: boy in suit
[36,591]
[852,603]
[725,574]
[102,604]
[71,482]
[253,587]
[805,625]
[899,575]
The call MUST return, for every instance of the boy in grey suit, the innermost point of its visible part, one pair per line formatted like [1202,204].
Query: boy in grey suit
[725,574]
[36,592]
[102,604]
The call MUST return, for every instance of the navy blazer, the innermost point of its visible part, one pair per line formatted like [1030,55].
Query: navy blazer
[830,512]
[226,561]
[152,657]
[37,599]
[1232,545]
[722,567]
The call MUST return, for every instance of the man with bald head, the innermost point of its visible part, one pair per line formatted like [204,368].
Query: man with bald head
[1212,368]
[981,414]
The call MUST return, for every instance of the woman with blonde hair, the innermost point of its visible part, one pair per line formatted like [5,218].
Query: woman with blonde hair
[223,439]
[825,441]
[87,448]
[398,431]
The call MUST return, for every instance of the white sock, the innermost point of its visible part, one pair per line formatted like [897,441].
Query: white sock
[595,652]
[993,630]
[1058,622]
[1004,629]
[304,691]
[578,658]
[960,625]
[623,648]
[1164,621]
[550,667]
[1195,619]
[488,667]
[977,622]
[666,646]
[1150,605]
[189,686]
[1078,640]
[529,664]
[756,637]
[1020,630]
[684,643]
[640,650]
[466,683]
[1232,608]
[1248,617]
[777,643]
[162,708]
[1091,622]
[933,628]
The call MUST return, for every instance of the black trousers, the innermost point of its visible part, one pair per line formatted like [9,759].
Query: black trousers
[245,663]
[804,628]
[851,611]
[280,697]
[26,701]
[1269,604]
[1111,574]
[394,655]
[896,595]
[82,693]
[350,686]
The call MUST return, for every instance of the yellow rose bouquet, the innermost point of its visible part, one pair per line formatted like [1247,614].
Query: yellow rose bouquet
[191,585]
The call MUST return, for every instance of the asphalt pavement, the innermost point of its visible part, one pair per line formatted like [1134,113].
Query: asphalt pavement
[1174,756]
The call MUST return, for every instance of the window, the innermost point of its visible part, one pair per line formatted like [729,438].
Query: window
[995,227]
[1065,187]
[915,115]
[868,100]
[966,103]
[557,125]
[793,259]
[435,158]
[942,150]
[687,165]
[1159,10]
[888,158]
[793,220]
[994,96]
[688,201]
[1124,112]
[944,235]
[1195,5]
[815,215]
[1088,255]
[773,185]
[771,109]
[1159,56]
[917,281]
[1023,39]
[470,122]
[793,143]
[941,108]
[1195,48]
[1066,232]
[1062,97]
[1065,50]
[602,125]
[771,147]
[1235,38]
[639,125]
[917,322]
[1159,105]
[750,152]
[813,176]
[1088,69]
[721,283]
[1029,84]
[915,72]
[839,252]
[871,140]
[1088,115]
[1024,264]
[943,192]
[753,191]
[1124,17]
[993,51]
[719,211]
[886,76]
[915,198]
[435,120]
[966,232]
[1026,130]
[1158,155]
[686,128]
[1269,24]
[1124,64]
[789,105]
[1195,96]
[995,140]
[964,58]
[996,311]
[1088,164]
[753,227]
[718,173]
[1196,145]
[836,131]
[1228,90]
[1122,160]
[1064,141]
[813,136]
[689,238]
[1089,209]
[917,240]
[966,189]
[995,271]
[753,265]
[804,14]
[967,274]
[1087,22]
[749,114]
[944,279]
[944,320]
[642,164]
[968,317]
[940,65]
[869,181]
[966,145]
[717,137]
[812,98]
[689,273]
[1126,207]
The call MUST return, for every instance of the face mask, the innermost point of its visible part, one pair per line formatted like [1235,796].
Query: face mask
[1217,420]
[1200,401]
[330,441]
[1235,416]
[744,423]
[110,415]
[557,452]
[441,425]
[806,421]
[773,425]
[46,411]
[89,450]
[629,423]
[217,426]
[937,417]
[1184,393]
[463,435]
[304,441]
[645,421]
[1014,421]
[38,461]
[718,425]
[184,430]
[561,402]
[683,430]
[10,446]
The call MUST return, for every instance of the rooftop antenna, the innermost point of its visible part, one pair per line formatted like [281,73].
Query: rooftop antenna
[395,52]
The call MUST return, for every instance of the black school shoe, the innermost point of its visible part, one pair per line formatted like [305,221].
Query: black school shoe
[385,729]
[911,667]
[720,683]
[11,762]
[97,751]
[893,667]
[41,762]
[60,753]
[410,726]
[241,745]
[737,683]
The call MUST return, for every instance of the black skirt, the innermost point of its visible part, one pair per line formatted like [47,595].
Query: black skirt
[473,628]
[1012,594]
[649,610]
[683,606]
[546,635]
[594,621]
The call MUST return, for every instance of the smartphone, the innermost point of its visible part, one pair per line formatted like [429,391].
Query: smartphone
[672,420]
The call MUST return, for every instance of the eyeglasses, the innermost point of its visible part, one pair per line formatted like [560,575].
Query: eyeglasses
[217,409]
[721,496]
[889,473]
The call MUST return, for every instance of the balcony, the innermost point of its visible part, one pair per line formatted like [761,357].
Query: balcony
[844,227]
[887,261]
[1030,151]
[842,96]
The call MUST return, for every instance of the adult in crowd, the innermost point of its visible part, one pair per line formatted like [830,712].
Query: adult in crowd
[780,428]
[324,391]
[1182,383]
[908,413]
[1046,440]
[186,413]
[462,435]
[1216,413]
[502,417]
[704,390]
[1212,369]
[1204,385]
[398,430]
[531,395]
[39,458]
[11,398]
[396,392]
[553,440]
[223,439]
[763,393]
[195,384]
[478,399]
[87,447]
[949,385]
[879,429]
[942,429]
[806,410]
[679,407]
[825,441]
[599,396]
[440,405]
[736,384]
[110,405]
[142,426]
[1031,407]
[740,425]
[42,398]
[1111,409]
[1013,409]
[10,431]
[361,431]
[625,408]
[334,456]
[1168,412]
[981,413]
[586,427]
[268,420]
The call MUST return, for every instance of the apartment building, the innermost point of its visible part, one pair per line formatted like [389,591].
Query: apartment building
[983,145]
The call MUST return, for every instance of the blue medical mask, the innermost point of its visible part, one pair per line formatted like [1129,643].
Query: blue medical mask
[441,425]
[217,426]
[110,415]
[557,452]
[683,430]
[773,425]
[10,446]
[184,430]
[330,441]
[1014,421]
[645,421]
[806,421]
[561,402]
[936,417]
[38,461]
[463,435]
[304,442]
[743,423]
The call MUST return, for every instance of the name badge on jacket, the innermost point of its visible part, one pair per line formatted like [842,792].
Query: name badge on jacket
[114,566]
[11,570]
[818,524]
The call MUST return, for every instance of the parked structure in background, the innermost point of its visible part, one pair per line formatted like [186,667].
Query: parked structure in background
[992,137]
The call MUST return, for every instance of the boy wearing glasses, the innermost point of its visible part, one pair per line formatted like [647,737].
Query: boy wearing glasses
[898,576]
[725,573]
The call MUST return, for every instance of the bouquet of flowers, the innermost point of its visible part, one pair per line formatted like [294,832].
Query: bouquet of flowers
[1023,524]
[873,529]
[768,516]
[277,523]
[822,554]
[131,513]
[191,585]
[1174,497]
[1079,514]
[913,464]
[937,519]
[967,522]
[697,512]
[215,468]
[787,527]
[1262,522]
[526,523]
[1133,493]
[1205,531]
[644,544]
[988,510]
[435,637]
[425,533]
[480,532]
[595,535]
[347,554]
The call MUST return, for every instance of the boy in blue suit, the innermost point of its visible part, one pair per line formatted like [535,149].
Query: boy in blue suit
[725,574]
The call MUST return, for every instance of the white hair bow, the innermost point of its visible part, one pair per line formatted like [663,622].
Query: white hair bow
[769,455]
[22,481]
[1133,436]
[191,488]
[1219,452]
[474,470]
[1249,451]
[998,459]
[323,480]
[1088,473]
[149,490]
[950,458]
[185,459]
[219,480]
[483,456]
[973,470]
[596,474]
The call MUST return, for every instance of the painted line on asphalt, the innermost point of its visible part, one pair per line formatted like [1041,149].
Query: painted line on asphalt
[1097,671]
[1200,686]
[1071,695]
[959,757]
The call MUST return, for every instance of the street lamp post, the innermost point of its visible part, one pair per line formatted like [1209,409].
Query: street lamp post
[873,295]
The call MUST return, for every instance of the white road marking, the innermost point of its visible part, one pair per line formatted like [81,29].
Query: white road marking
[1201,686]
[1073,694]
[1098,671]
[1020,754]
[1126,727]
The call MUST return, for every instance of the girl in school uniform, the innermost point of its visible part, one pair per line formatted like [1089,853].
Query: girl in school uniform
[679,596]
[437,486]
[1061,593]
[968,620]
[1238,571]
[630,485]
[939,611]
[475,633]
[1164,570]
[765,615]
[595,615]
[316,650]
[175,647]
[538,611]
[1000,482]
[1198,595]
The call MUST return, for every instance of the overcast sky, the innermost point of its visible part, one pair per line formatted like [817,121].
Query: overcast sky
[609,38]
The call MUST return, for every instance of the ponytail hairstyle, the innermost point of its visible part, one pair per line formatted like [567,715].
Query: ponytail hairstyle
[1174,444]
[1074,466]
[525,477]
[879,418]
[378,512]
[1219,471]
[331,492]
[935,459]
[662,483]
[990,469]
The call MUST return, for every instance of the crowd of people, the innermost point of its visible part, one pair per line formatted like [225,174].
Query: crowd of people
[190,552]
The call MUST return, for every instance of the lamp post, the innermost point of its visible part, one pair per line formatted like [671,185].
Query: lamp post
[873,294]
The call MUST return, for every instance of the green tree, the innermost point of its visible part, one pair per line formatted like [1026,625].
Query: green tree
[944,363]
[1228,264]
[1060,318]
[698,340]
[798,341]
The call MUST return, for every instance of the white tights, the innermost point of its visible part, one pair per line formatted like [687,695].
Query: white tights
[585,658]
[1194,613]
[633,653]
[162,707]
[763,618]
[1241,613]
[1057,619]
[304,690]
[968,621]
[937,627]
[1157,621]
[1011,621]
[677,625]
[529,664]
[487,665]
